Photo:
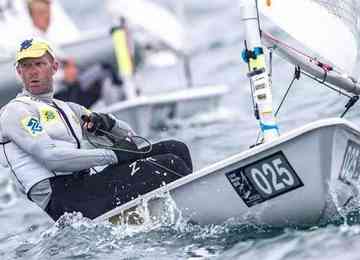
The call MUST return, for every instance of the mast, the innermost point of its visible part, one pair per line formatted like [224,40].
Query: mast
[259,79]
[124,58]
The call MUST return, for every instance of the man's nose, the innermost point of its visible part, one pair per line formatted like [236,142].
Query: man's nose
[33,70]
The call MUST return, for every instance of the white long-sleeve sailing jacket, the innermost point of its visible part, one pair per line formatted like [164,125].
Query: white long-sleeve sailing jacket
[42,138]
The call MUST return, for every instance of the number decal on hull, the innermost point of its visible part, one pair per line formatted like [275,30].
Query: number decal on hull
[350,168]
[264,179]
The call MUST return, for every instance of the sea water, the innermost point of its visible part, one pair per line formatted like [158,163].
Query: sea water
[216,42]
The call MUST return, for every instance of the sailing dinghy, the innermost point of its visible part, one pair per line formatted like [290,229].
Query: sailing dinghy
[147,112]
[306,176]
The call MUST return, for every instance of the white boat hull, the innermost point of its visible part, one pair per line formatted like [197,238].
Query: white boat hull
[301,178]
[151,112]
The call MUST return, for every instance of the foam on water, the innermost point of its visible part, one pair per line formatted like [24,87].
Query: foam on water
[75,237]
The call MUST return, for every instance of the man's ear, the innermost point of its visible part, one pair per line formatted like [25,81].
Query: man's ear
[55,66]
[18,70]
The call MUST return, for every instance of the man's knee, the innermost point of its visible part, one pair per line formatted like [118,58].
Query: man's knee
[174,144]
[174,163]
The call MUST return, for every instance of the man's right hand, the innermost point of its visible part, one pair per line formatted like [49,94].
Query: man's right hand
[98,122]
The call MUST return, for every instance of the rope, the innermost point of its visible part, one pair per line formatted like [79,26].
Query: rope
[112,137]
[115,142]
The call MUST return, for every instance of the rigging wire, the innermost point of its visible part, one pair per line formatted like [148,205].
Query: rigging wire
[295,77]
[298,71]
[258,16]
[352,99]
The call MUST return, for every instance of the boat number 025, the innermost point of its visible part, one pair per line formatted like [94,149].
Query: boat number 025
[272,177]
[264,179]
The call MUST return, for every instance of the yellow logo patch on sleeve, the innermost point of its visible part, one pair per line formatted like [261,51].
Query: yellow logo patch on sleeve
[32,125]
[48,115]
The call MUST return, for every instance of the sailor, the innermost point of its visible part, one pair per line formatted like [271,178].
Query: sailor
[50,21]
[46,146]
[73,88]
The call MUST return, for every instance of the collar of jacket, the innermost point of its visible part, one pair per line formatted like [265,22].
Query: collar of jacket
[46,97]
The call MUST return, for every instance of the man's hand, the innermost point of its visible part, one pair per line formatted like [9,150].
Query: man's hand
[98,122]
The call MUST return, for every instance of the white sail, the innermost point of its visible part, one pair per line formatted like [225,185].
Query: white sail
[152,18]
[16,25]
[316,27]
[347,10]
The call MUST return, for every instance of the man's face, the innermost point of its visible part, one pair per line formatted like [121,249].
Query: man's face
[40,14]
[37,73]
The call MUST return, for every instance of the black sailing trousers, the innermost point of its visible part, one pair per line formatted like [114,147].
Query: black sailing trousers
[93,195]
